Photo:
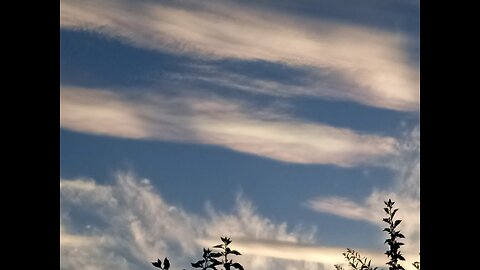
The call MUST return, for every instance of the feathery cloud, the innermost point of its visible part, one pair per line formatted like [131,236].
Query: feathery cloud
[217,121]
[131,224]
[128,225]
[372,65]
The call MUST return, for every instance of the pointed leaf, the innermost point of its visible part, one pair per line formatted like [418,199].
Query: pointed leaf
[238,266]
[157,264]
[218,246]
[166,264]
[397,222]
[215,254]
[235,252]
[226,240]
[215,261]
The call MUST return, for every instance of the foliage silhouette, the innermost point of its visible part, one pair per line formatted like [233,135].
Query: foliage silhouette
[212,260]
[209,258]
[158,264]
[357,262]
[393,253]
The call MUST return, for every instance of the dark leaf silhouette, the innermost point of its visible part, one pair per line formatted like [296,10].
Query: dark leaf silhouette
[215,262]
[226,240]
[396,223]
[157,264]
[215,254]
[235,252]
[238,266]
[166,264]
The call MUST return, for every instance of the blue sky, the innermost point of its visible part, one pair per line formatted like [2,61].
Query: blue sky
[282,124]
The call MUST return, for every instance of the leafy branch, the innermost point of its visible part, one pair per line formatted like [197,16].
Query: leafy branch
[209,258]
[357,262]
[393,253]
[158,264]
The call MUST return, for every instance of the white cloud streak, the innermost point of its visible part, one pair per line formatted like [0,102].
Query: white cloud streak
[373,64]
[329,256]
[406,195]
[216,121]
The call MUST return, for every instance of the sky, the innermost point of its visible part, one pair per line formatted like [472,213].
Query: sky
[281,124]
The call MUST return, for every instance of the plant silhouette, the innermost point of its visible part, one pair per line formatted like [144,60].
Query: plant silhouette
[393,253]
[355,261]
[213,259]
[209,258]
[158,264]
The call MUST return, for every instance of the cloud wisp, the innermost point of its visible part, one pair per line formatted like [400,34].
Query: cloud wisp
[126,224]
[217,121]
[406,194]
[372,65]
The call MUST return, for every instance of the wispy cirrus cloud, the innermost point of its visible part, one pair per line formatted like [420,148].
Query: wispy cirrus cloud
[140,226]
[217,121]
[405,192]
[126,224]
[371,66]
